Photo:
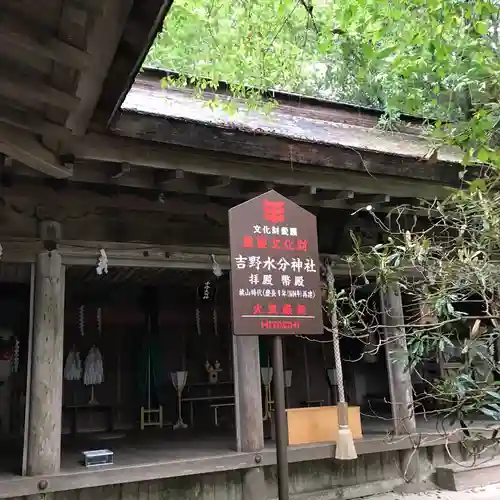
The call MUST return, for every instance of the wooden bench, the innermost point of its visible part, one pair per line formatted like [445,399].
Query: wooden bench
[216,407]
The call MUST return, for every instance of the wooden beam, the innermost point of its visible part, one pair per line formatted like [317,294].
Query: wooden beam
[102,45]
[164,157]
[44,437]
[370,199]
[17,31]
[33,122]
[76,251]
[71,198]
[26,8]
[311,196]
[107,224]
[214,184]
[122,169]
[25,148]
[146,21]
[177,181]
[192,134]
[164,179]
[22,89]
[335,195]
[187,183]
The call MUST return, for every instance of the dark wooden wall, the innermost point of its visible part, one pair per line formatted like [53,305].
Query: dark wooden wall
[124,327]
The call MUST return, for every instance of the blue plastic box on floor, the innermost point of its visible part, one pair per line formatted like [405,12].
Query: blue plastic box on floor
[94,458]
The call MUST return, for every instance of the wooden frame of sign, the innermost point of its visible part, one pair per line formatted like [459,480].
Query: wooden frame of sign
[275,275]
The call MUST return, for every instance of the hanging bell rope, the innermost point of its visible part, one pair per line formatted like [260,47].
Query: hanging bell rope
[345,449]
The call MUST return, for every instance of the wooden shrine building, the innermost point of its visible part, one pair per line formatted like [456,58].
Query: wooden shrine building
[114,262]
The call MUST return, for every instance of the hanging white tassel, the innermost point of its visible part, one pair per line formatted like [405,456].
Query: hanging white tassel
[94,370]
[102,263]
[81,320]
[99,320]
[206,290]
[216,267]
[73,366]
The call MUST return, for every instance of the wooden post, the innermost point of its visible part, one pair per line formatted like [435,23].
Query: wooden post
[400,385]
[45,409]
[28,371]
[248,401]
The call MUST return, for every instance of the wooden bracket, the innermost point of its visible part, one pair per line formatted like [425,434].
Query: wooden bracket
[50,233]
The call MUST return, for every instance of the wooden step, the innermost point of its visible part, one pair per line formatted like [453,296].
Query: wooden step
[463,476]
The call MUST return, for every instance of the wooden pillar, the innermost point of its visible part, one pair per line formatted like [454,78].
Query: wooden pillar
[248,400]
[45,405]
[400,386]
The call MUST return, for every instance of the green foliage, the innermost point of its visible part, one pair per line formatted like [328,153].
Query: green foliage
[433,58]
[452,249]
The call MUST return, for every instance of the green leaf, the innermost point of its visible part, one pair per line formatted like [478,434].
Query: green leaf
[481,27]
[483,155]
[489,412]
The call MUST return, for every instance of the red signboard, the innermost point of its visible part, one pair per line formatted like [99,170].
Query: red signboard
[275,276]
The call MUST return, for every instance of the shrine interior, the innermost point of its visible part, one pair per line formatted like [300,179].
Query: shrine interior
[151,326]
[14,328]
[144,328]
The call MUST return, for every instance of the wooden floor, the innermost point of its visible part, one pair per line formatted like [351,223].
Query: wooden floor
[159,455]
[136,447]
[148,446]
[154,446]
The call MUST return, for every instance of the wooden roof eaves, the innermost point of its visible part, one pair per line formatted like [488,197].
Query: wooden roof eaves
[295,123]
[129,57]
[296,99]
[258,144]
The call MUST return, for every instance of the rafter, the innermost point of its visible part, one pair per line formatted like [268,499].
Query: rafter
[102,45]
[17,31]
[24,147]
[164,157]
[33,122]
[21,89]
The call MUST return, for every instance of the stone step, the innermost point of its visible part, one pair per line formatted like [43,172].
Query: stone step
[462,476]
